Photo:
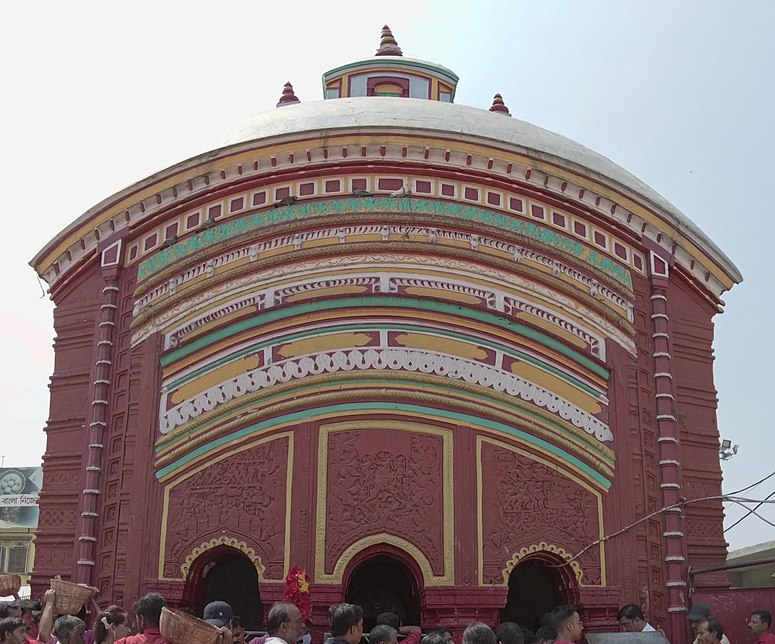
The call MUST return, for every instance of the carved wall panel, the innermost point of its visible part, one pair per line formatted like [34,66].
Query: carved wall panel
[244,496]
[387,481]
[525,502]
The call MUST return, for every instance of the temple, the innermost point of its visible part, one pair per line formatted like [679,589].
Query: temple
[430,353]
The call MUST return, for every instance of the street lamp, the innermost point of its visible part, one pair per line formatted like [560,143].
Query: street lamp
[727,449]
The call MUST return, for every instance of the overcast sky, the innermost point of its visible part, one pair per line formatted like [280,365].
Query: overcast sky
[99,95]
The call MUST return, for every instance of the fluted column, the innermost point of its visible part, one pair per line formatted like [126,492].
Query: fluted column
[98,425]
[668,438]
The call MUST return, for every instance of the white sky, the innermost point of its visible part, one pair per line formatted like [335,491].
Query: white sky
[97,95]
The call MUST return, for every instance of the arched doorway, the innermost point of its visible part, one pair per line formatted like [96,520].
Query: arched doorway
[383,583]
[225,574]
[536,586]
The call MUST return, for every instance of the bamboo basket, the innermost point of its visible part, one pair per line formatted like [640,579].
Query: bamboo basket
[70,597]
[179,628]
[9,585]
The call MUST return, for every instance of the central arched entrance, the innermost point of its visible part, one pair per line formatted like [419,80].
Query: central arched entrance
[383,583]
[225,574]
[536,586]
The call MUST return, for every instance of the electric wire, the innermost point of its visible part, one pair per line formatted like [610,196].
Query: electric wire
[747,514]
[759,482]
[727,498]
[752,511]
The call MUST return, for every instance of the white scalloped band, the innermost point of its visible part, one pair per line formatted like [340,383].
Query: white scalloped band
[429,362]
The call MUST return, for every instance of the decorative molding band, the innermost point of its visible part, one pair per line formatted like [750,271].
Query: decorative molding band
[188,185]
[464,272]
[382,358]
[384,283]
[471,214]
[432,235]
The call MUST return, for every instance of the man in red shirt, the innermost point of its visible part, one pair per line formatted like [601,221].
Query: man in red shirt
[148,611]
[567,622]
[760,623]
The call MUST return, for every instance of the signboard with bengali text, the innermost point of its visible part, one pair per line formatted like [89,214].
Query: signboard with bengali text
[19,489]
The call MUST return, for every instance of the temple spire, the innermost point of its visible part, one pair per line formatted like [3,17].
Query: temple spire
[287,97]
[387,44]
[499,106]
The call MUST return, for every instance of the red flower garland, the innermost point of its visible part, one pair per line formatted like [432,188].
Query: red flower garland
[297,591]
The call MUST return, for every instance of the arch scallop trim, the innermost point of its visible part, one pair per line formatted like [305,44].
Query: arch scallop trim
[223,540]
[429,579]
[528,551]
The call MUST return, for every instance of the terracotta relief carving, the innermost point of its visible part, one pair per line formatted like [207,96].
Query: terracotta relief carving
[525,502]
[242,496]
[385,481]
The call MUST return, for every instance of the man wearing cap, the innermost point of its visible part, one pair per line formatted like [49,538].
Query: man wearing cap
[218,614]
[698,615]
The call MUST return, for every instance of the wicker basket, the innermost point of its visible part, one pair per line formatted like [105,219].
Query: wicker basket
[70,597]
[179,628]
[9,584]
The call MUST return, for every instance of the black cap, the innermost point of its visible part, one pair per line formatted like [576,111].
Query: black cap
[217,614]
[698,613]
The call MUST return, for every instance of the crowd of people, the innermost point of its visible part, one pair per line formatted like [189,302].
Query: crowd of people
[30,623]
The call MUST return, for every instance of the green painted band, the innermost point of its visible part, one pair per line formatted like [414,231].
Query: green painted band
[389,62]
[536,442]
[589,442]
[384,205]
[268,317]
[390,327]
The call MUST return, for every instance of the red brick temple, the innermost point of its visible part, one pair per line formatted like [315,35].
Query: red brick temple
[430,353]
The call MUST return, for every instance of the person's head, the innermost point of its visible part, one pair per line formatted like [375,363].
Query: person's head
[697,614]
[760,622]
[12,631]
[509,633]
[546,634]
[630,618]
[69,629]
[113,616]
[389,619]
[218,614]
[284,621]
[478,633]
[148,611]
[435,637]
[346,622]
[383,634]
[567,622]
[710,631]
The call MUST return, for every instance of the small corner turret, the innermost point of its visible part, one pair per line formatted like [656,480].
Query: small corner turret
[287,97]
[498,106]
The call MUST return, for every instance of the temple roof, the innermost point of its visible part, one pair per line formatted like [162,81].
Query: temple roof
[407,113]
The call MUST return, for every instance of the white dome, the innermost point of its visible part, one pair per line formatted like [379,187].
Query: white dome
[370,113]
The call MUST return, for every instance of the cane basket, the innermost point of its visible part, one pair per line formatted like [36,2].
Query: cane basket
[179,628]
[70,597]
[9,584]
